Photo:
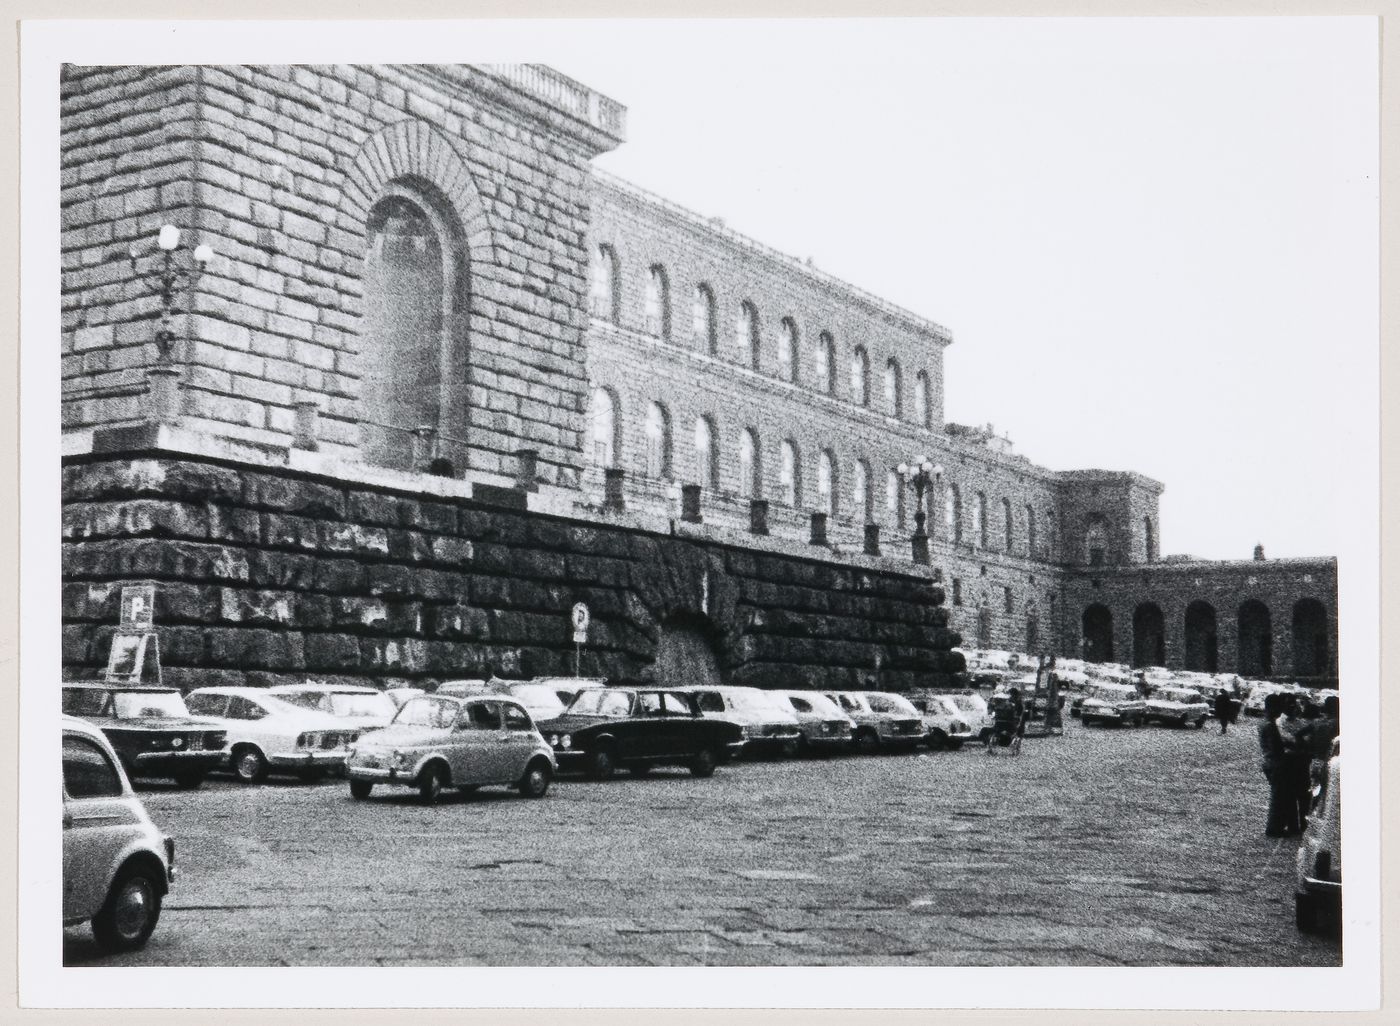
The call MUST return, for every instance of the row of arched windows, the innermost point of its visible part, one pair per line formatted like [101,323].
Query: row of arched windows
[605,302]
[974,525]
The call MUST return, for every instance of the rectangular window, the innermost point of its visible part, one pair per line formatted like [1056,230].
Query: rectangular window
[957,591]
[1006,596]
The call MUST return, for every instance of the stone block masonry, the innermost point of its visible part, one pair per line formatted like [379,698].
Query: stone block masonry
[268,576]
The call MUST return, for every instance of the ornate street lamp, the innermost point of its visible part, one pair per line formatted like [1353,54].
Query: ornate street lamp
[922,474]
[169,275]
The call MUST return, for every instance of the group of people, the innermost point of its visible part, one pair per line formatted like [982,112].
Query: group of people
[1295,743]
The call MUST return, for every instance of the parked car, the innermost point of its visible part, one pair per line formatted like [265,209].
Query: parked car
[540,700]
[440,741]
[944,724]
[639,728]
[267,734]
[567,688]
[823,727]
[150,729]
[366,708]
[469,686]
[117,865]
[974,710]
[767,726]
[401,695]
[1317,900]
[1177,707]
[1113,703]
[881,719]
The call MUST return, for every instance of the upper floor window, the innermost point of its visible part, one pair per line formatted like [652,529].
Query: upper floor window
[658,432]
[952,513]
[702,318]
[824,360]
[1149,540]
[748,465]
[894,397]
[603,428]
[894,498]
[658,302]
[826,483]
[746,334]
[860,367]
[706,458]
[790,473]
[1030,531]
[1007,522]
[604,297]
[1096,542]
[979,520]
[860,491]
[923,411]
[1050,543]
[787,350]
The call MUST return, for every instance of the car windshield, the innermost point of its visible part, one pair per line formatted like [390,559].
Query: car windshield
[891,704]
[356,703]
[428,712]
[820,704]
[131,704]
[752,701]
[602,702]
[851,703]
[539,699]
[974,704]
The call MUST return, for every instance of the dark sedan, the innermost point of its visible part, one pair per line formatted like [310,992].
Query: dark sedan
[151,729]
[606,728]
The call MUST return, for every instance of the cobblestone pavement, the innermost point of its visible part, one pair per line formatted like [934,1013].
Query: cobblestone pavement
[1102,847]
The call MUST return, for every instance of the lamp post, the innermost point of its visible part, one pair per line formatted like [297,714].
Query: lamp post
[167,276]
[922,474]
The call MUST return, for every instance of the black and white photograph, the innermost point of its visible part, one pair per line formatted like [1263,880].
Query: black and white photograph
[697,494]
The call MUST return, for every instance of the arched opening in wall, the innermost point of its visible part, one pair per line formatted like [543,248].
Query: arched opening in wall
[984,625]
[1201,651]
[412,333]
[1256,636]
[686,654]
[750,473]
[1312,655]
[1098,634]
[604,428]
[1149,636]
[658,432]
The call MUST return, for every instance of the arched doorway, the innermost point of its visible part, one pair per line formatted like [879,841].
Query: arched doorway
[1098,634]
[685,654]
[1201,650]
[1311,639]
[1256,635]
[1149,636]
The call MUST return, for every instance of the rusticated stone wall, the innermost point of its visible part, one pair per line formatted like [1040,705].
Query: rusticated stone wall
[270,576]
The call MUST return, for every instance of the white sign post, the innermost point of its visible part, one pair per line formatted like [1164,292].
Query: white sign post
[580,621]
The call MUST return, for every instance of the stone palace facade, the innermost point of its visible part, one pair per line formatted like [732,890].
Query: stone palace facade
[442,380]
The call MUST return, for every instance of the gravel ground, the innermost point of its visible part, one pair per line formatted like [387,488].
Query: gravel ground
[1102,847]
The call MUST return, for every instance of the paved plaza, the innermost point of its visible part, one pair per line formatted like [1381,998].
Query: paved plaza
[1102,847]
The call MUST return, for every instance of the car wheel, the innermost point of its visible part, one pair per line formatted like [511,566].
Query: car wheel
[189,780]
[1086,721]
[1200,723]
[936,740]
[639,769]
[249,766]
[129,915]
[703,763]
[954,743]
[535,783]
[602,766]
[360,789]
[431,782]
[867,741]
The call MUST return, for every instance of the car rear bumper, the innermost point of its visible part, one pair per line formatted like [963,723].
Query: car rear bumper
[155,763]
[308,760]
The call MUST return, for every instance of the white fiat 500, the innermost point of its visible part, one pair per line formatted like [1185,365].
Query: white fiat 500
[117,866]
[441,741]
[267,734]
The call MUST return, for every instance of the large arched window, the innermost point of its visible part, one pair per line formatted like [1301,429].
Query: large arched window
[952,513]
[658,303]
[894,389]
[894,499]
[1007,521]
[787,349]
[702,318]
[790,473]
[411,336]
[979,520]
[749,471]
[860,491]
[658,431]
[746,335]
[860,371]
[706,456]
[603,428]
[923,411]
[826,483]
[824,363]
[605,294]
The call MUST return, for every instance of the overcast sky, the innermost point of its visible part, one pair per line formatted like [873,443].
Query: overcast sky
[1154,241]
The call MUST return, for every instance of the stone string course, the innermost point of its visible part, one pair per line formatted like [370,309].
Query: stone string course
[268,577]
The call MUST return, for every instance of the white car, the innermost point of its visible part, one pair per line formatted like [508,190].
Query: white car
[1318,897]
[766,726]
[361,707]
[944,723]
[825,728]
[540,700]
[1177,706]
[117,866]
[269,734]
[1113,703]
[881,719]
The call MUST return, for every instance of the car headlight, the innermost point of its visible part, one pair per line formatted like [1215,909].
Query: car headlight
[311,739]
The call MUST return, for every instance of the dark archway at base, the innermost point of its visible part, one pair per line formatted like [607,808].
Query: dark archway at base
[685,654]
[1098,634]
[1311,647]
[1256,640]
[1202,653]
[1149,636]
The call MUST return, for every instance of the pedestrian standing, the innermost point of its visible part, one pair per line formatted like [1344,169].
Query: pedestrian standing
[1318,737]
[1283,811]
[1297,757]
[1222,710]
